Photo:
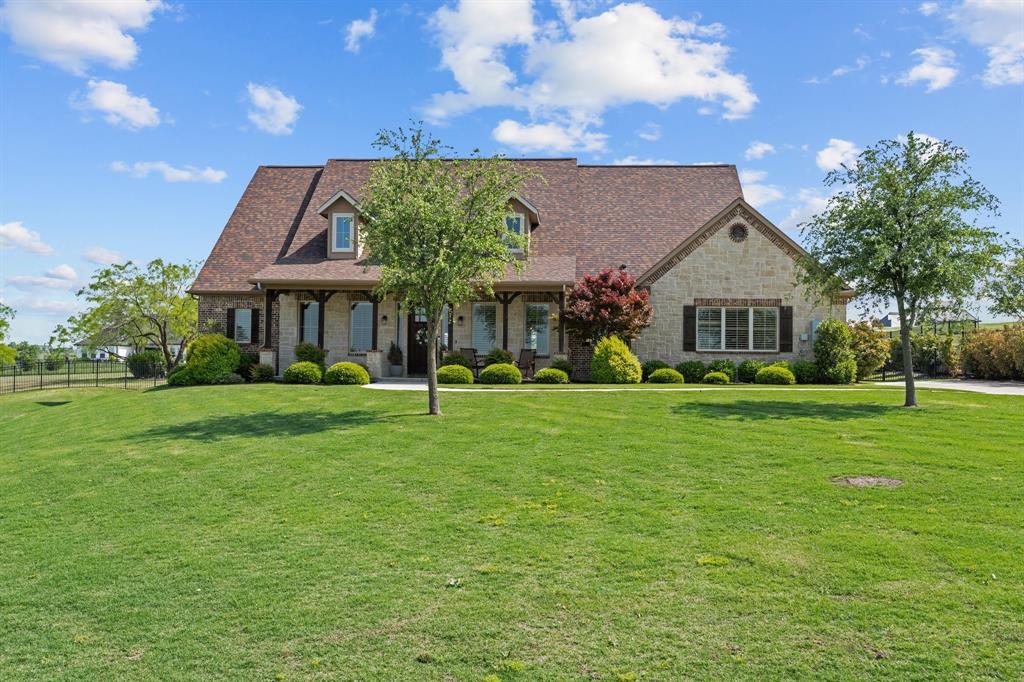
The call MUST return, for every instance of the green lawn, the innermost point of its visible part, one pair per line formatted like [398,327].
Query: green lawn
[287,532]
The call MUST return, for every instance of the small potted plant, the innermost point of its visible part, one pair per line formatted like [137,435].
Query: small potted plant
[395,359]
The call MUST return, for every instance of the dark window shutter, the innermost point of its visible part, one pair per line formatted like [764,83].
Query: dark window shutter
[690,327]
[786,329]
[230,333]
[254,334]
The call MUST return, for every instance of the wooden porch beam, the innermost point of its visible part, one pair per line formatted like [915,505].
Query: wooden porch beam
[505,299]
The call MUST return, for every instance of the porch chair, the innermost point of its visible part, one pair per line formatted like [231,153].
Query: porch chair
[527,362]
[475,363]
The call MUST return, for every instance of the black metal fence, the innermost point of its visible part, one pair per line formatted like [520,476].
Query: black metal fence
[893,371]
[34,376]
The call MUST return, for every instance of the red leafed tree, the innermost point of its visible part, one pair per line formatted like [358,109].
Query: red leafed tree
[606,304]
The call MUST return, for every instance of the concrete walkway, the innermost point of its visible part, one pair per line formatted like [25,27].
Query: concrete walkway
[977,386]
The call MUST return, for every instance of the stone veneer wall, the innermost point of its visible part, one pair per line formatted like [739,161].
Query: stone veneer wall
[760,267]
[213,316]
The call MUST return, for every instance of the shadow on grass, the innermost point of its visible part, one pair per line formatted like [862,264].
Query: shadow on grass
[52,403]
[260,424]
[779,409]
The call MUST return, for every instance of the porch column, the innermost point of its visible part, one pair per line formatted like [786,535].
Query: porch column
[268,327]
[505,299]
[321,303]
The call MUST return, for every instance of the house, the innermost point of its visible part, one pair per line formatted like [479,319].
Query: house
[890,320]
[118,352]
[289,267]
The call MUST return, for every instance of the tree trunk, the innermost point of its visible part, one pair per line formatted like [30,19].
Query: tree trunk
[908,357]
[432,401]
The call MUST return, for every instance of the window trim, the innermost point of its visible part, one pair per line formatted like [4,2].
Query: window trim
[351,234]
[750,329]
[522,229]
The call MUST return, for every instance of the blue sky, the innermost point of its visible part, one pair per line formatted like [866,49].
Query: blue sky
[130,129]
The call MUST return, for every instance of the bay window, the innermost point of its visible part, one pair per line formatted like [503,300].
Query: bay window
[737,329]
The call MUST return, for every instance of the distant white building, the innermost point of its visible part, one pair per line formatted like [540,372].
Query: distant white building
[890,320]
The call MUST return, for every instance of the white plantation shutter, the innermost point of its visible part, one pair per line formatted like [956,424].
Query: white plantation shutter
[485,322]
[361,327]
[765,328]
[737,328]
[310,320]
[537,315]
[709,328]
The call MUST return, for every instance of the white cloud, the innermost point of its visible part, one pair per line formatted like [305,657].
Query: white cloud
[928,8]
[118,106]
[576,68]
[550,137]
[936,67]
[102,256]
[844,70]
[63,271]
[73,34]
[14,235]
[758,150]
[998,27]
[650,132]
[809,202]
[756,191]
[28,282]
[48,306]
[837,153]
[141,169]
[637,161]
[359,30]
[273,111]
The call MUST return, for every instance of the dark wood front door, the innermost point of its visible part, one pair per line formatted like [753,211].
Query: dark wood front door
[417,345]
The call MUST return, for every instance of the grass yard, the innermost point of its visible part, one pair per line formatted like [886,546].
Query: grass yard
[287,532]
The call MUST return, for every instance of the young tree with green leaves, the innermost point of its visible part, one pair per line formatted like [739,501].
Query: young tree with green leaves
[903,226]
[1006,289]
[140,305]
[7,354]
[435,226]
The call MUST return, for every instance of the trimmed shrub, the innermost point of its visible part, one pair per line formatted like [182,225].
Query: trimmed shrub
[501,373]
[995,354]
[303,372]
[146,364]
[692,370]
[346,373]
[774,374]
[613,363]
[246,363]
[562,364]
[231,378]
[310,352]
[211,356]
[844,372]
[261,372]
[498,356]
[870,346]
[455,359]
[726,367]
[454,374]
[806,372]
[782,363]
[666,375]
[550,375]
[180,376]
[748,369]
[716,378]
[650,366]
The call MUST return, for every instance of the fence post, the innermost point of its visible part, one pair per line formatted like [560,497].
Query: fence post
[40,374]
[96,367]
[67,362]
[124,370]
[15,383]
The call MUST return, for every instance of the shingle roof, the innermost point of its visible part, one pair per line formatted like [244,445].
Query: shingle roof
[591,217]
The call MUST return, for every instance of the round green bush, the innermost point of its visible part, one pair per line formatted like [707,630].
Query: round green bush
[774,374]
[550,375]
[211,356]
[692,370]
[726,367]
[347,373]
[805,372]
[782,363]
[310,352]
[747,370]
[716,378]
[246,363]
[456,359]
[231,378]
[501,373]
[666,375]
[303,372]
[613,363]
[454,374]
[844,372]
[498,356]
[261,372]
[562,364]
[650,367]
[180,376]
[146,364]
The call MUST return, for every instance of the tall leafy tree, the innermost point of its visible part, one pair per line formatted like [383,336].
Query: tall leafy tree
[607,304]
[903,226]
[1006,290]
[7,354]
[435,225]
[141,306]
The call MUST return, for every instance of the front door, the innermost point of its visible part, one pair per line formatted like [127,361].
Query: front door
[417,344]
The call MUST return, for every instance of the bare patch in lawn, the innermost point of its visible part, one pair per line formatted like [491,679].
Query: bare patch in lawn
[867,481]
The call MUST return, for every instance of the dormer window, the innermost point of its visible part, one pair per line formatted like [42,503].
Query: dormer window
[514,223]
[342,232]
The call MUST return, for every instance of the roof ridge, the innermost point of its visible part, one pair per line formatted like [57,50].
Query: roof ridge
[657,165]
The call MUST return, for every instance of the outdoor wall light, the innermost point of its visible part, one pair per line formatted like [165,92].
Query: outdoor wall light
[383,320]
[460,321]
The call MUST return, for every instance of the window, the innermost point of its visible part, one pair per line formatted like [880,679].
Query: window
[738,329]
[243,325]
[309,319]
[514,223]
[537,316]
[485,322]
[360,328]
[341,239]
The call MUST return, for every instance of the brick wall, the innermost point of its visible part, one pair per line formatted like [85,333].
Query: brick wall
[213,316]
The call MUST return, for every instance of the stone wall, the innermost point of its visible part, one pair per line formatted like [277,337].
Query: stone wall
[760,266]
[213,316]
